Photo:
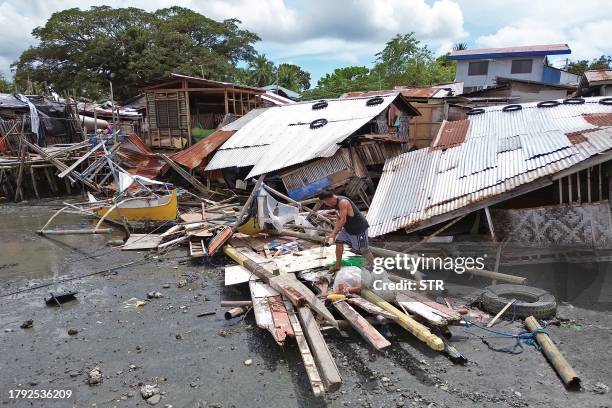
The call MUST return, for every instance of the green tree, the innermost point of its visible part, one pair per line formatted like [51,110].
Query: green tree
[5,85]
[81,50]
[342,80]
[293,77]
[262,70]
[578,67]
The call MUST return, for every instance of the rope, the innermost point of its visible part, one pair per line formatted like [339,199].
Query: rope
[522,338]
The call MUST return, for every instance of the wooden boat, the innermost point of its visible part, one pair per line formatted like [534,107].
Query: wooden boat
[160,208]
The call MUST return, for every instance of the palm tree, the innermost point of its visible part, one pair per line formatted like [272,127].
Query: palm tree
[460,46]
[261,70]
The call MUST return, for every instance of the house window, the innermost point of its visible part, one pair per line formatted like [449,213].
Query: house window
[522,66]
[478,68]
[167,114]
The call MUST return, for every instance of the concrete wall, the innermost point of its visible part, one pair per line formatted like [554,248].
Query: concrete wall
[497,68]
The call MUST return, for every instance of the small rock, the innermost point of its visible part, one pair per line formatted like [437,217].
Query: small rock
[8,330]
[155,295]
[74,374]
[133,366]
[94,376]
[147,391]
[248,362]
[179,337]
[181,283]
[518,394]
[601,388]
[27,324]
[114,242]
[153,400]
[72,331]
[166,286]
[385,379]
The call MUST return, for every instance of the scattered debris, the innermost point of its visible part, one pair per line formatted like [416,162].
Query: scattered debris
[72,331]
[27,324]
[58,300]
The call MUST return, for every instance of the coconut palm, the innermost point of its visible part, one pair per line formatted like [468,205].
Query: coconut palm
[261,70]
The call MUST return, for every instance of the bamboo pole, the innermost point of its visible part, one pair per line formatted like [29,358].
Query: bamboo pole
[417,329]
[564,369]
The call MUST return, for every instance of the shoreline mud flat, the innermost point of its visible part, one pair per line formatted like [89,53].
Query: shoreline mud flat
[209,361]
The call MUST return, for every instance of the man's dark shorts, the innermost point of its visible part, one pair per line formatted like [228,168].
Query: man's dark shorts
[359,243]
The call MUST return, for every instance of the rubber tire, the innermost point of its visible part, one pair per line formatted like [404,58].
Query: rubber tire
[542,304]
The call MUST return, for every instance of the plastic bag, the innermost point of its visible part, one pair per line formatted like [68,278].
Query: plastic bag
[347,277]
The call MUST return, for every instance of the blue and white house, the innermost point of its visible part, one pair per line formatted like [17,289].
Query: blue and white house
[479,69]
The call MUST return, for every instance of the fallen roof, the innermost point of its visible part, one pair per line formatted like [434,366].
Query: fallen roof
[599,77]
[193,156]
[282,136]
[522,51]
[275,99]
[8,101]
[503,152]
[416,92]
[290,94]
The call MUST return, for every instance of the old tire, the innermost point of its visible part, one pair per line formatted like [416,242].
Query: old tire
[530,301]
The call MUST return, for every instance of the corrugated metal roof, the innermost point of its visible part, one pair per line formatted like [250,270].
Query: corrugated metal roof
[595,76]
[451,133]
[281,136]
[8,101]
[502,151]
[547,49]
[434,91]
[275,99]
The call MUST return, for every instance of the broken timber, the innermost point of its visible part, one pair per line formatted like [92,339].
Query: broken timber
[281,282]
[188,177]
[270,311]
[370,307]
[328,370]
[361,325]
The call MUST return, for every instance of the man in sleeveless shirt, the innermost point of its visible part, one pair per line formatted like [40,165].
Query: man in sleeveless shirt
[351,228]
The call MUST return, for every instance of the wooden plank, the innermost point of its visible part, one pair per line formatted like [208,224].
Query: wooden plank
[421,309]
[281,282]
[370,307]
[237,274]
[265,300]
[361,325]
[138,242]
[312,258]
[326,364]
[309,363]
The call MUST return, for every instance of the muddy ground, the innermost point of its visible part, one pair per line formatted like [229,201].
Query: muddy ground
[200,361]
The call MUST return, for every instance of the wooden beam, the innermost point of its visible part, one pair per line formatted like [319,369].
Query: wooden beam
[249,201]
[309,362]
[79,161]
[325,362]
[362,326]
[490,224]
[188,177]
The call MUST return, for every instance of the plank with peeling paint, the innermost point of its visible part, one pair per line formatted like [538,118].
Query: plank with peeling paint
[361,325]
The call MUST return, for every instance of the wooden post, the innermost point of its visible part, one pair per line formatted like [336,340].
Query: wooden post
[589,184]
[501,312]
[323,357]
[34,184]
[600,185]
[564,369]
[225,101]
[578,188]
[569,187]
[490,224]
[560,181]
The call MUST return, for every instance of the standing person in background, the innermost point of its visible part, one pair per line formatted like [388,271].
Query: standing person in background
[351,228]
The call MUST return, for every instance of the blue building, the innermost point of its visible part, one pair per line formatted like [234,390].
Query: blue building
[479,69]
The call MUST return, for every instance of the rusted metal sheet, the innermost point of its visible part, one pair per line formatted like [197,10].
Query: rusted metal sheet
[193,156]
[502,151]
[451,134]
[598,119]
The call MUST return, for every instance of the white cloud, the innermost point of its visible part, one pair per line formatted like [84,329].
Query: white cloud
[585,27]
[314,27]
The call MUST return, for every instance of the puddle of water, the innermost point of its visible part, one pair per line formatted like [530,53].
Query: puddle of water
[26,255]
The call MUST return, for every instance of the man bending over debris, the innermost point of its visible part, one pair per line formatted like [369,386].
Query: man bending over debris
[351,228]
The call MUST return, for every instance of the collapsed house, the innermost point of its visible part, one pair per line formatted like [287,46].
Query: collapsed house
[554,155]
[596,83]
[309,146]
[42,120]
[98,116]
[180,107]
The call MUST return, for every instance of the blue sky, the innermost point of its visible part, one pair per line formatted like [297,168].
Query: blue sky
[321,35]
